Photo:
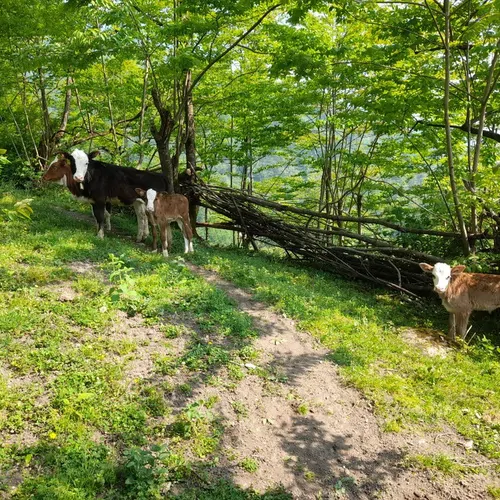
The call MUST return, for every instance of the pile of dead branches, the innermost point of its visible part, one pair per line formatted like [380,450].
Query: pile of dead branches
[299,232]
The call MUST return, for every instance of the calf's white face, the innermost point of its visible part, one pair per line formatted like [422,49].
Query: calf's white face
[81,163]
[151,196]
[441,275]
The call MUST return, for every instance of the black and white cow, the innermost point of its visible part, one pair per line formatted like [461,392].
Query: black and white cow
[104,181]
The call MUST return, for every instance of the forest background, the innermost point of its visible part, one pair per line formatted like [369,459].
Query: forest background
[373,109]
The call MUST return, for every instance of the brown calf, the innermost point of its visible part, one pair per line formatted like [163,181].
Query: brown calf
[163,208]
[461,293]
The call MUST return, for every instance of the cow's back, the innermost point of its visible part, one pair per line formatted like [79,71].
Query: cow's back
[473,292]
[111,181]
[171,206]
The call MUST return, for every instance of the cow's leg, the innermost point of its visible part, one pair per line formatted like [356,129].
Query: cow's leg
[462,320]
[98,210]
[152,221]
[142,221]
[451,326]
[169,236]
[185,227]
[164,228]
[107,216]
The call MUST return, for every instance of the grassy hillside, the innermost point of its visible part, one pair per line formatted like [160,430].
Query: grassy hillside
[79,420]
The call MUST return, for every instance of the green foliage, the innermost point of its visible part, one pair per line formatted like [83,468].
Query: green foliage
[199,425]
[124,290]
[439,462]
[145,472]
[20,210]
[228,491]
[494,491]
[249,464]
[343,484]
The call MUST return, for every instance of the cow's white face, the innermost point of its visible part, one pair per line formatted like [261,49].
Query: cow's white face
[441,274]
[151,196]
[81,163]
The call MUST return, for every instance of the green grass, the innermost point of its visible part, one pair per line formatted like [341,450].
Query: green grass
[494,491]
[85,430]
[362,326]
[439,463]
[249,464]
[89,432]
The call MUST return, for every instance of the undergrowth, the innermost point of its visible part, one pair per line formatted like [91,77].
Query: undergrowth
[72,422]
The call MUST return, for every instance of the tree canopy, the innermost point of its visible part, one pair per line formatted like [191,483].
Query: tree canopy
[372,109]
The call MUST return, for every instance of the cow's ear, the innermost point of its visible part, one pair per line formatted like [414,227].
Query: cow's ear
[426,267]
[63,154]
[140,192]
[457,270]
[93,154]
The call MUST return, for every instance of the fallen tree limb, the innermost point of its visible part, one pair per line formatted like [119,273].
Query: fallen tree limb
[337,218]
[380,261]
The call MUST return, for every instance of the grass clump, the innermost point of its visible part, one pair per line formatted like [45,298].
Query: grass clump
[439,463]
[249,464]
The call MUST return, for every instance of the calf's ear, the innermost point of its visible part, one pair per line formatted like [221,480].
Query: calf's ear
[140,192]
[93,154]
[63,154]
[426,267]
[457,270]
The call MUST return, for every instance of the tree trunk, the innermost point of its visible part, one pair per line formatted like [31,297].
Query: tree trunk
[191,149]
[449,146]
[162,139]
[110,107]
[44,145]
[190,129]
[143,111]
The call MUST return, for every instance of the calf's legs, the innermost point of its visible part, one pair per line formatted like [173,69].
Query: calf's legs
[462,320]
[185,227]
[152,221]
[457,324]
[166,237]
[451,327]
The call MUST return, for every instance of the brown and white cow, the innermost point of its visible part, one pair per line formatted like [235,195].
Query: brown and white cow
[163,209]
[59,171]
[461,293]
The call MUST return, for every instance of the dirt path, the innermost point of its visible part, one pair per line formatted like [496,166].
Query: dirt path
[333,448]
